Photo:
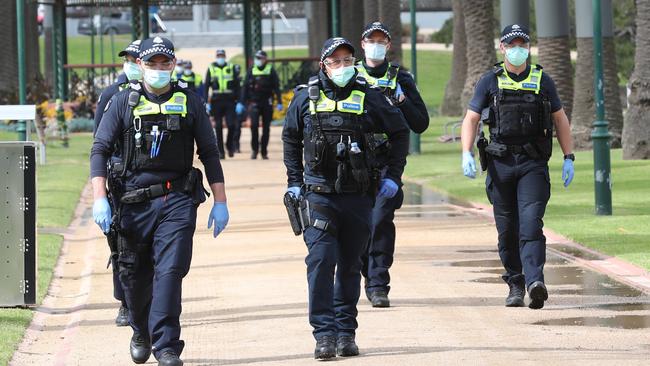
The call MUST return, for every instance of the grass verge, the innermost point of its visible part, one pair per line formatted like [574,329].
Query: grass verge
[570,212]
[59,185]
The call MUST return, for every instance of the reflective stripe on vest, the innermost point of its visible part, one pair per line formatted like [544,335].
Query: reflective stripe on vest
[177,104]
[264,72]
[223,76]
[352,104]
[383,82]
[532,83]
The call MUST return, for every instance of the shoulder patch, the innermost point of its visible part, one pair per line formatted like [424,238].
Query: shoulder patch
[135,85]
[110,101]
[361,80]
[388,100]
[181,83]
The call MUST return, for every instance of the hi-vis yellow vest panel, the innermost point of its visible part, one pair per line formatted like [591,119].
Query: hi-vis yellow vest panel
[532,83]
[383,82]
[265,71]
[177,104]
[223,76]
[352,104]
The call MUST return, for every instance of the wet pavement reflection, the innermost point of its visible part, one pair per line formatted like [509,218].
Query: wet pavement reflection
[571,286]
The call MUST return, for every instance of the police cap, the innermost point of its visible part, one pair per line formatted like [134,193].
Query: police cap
[151,47]
[332,44]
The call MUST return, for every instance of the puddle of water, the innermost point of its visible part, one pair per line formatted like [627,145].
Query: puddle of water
[416,194]
[576,252]
[554,260]
[618,321]
[489,280]
[622,307]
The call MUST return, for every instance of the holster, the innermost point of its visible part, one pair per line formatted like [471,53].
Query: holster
[497,149]
[482,144]
[292,204]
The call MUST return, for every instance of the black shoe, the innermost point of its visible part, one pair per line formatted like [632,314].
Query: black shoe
[231,154]
[515,297]
[253,155]
[238,151]
[379,299]
[538,294]
[265,157]
[169,358]
[325,348]
[140,348]
[346,347]
[122,319]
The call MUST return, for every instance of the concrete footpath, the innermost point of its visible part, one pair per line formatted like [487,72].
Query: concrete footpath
[245,299]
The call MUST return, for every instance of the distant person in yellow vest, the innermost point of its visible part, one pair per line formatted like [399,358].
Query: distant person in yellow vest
[224,80]
[259,86]
[192,79]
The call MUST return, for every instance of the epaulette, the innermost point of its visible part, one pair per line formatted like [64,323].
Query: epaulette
[361,80]
[300,87]
[181,84]
[538,66]
[498,68]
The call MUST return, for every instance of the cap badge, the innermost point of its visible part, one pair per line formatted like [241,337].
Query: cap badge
[157,40]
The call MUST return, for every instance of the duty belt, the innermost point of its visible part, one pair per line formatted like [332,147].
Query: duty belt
[139,195]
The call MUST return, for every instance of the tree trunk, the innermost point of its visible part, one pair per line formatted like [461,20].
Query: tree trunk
[351,25]
[370,11]
[451,105]
[584,110]
[389,14]
[636,134]
[613,109]
[317,25]
[555,57]
[480,43]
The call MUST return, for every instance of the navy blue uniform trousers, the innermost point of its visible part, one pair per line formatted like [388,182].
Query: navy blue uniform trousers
[152,273]
[118,292]
[261,109]
[519,189]
[225,108]
[378,258]
[334,262]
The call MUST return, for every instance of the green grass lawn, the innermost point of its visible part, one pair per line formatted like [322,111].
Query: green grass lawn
[79,49]
[570,212]
[59,185]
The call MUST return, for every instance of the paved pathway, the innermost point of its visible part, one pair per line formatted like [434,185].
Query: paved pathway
[245,296]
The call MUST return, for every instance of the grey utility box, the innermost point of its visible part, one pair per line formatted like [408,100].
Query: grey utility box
[17,223]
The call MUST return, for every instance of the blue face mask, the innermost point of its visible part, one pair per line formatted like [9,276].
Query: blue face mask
[221,61]
[375,51]
[157,79]
[132,71]
[258,62]
[342,75]
[517,55]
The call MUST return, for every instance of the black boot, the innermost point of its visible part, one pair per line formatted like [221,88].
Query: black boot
[538,294]
[325,348]
[253,155]
[140,348]
[169,358]
[346,347]
[379,299]
[515,297]
[122,319]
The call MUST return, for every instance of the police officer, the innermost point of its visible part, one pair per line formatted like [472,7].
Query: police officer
[334,118]
[259,86]
[155,124]
[131,72]
[192,79]
[398,85]
[520,104]
[224,80]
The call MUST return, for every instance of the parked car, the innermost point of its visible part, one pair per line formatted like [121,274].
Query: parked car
[117,23]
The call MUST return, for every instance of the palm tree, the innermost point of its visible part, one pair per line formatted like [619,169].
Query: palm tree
[554,46]
[317,25]
[479,29]
[451,103]
[351,12]
[389,14]
[370,10]
[636,134]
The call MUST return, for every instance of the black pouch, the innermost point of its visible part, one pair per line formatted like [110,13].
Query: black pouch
[531,151]
[497,149]
[196,189]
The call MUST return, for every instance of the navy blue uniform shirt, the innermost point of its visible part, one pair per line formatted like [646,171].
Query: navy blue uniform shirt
[414,110]
[114,123]
[248,94]
[381,114]
[486,88]
[105,96]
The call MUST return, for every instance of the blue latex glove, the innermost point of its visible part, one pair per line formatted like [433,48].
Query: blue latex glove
[102,214]
[387,188]
[240,108]
[208,108]
[279,107]
[399,94]
[567,172]
[469,165]
[294,191]
[219,217]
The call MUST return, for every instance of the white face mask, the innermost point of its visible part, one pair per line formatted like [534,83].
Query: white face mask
[132,70]
[258,62]
[221,61]
[375,51]
[187,72]
[342,75]
[157,79]
[178,69]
